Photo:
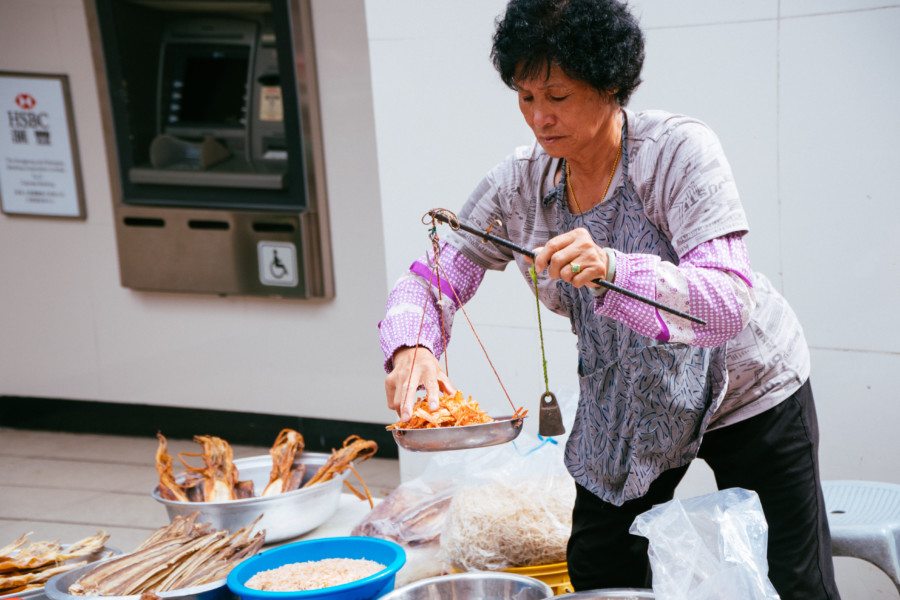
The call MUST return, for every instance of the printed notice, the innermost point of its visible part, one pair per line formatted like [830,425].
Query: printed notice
[38,167]
[270,104]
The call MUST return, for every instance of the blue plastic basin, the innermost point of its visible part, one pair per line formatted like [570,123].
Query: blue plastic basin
[374,586]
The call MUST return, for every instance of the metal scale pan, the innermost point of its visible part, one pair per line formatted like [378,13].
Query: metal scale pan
[437,439]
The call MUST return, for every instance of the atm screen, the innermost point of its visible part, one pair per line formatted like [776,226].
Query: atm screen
[207,85]
[214,90]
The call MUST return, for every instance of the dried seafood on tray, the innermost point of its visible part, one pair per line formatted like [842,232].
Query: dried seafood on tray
[452,411]
[218,478]
[180,555]
[26,566]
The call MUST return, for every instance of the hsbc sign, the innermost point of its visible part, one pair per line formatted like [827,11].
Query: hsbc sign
[21,119]
[27,118]
[39,174]
[25,101]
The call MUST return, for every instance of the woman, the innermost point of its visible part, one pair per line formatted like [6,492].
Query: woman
[646,200]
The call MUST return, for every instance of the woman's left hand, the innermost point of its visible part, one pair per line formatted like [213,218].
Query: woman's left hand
[574,257]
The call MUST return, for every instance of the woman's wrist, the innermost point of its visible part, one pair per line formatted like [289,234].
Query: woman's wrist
[599,292]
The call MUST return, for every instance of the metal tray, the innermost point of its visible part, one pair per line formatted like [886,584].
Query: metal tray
[39,594]
[284,516]
[492,585]
[58,589]
[611,594]
[437,439]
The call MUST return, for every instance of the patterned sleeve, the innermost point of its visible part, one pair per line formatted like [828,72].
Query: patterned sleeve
[418,290]
[713,281]
[688,186]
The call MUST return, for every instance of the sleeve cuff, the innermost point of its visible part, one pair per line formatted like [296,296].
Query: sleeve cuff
[400,331]
[634,272]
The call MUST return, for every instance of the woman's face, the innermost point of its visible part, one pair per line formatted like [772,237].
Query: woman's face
[568,116]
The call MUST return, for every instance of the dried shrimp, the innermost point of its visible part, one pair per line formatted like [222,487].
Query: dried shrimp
[452,411]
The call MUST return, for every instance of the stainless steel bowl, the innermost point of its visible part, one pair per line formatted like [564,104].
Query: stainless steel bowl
[437,439]
[284,516]
[497,586]
[612,594]
[58,589]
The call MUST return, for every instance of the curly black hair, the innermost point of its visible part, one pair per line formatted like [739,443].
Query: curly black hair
[596,41]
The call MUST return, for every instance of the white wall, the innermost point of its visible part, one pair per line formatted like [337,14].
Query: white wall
[69,330]
[801,92]
[803,97]
[443,119]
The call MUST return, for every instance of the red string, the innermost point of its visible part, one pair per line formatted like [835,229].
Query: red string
[480,343]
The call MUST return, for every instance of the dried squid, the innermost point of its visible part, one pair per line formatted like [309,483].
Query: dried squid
[217,479]
[354,449]
[285,475]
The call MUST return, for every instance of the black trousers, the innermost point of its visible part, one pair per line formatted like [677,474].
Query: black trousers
[775,454]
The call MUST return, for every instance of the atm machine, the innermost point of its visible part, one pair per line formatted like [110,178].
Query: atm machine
[213,131]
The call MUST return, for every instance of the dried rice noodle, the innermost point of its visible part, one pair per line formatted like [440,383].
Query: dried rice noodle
[497,525]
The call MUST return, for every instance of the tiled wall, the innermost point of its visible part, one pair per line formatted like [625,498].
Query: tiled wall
[802,95]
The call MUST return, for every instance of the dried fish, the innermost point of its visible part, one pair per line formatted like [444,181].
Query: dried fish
[7,550]
[181,554]
[35,577]
[26,566]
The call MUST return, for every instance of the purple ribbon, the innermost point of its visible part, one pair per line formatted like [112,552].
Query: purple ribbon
[423,270]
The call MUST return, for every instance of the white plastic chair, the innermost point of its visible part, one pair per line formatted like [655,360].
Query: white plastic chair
[864,518]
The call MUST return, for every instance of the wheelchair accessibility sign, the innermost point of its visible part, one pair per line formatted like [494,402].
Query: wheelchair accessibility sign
[277,263]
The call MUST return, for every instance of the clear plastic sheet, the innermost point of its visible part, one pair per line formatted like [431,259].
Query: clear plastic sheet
[709,547]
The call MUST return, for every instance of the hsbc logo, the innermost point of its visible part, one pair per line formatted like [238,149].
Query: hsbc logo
[27,118]
[25,101]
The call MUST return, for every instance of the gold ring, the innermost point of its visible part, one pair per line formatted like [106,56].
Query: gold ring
[576,268]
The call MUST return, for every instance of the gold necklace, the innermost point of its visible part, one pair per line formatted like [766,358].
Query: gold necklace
[612,174]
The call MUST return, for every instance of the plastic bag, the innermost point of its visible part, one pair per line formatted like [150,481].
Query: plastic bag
[412,515]
[514,509]
[708,548]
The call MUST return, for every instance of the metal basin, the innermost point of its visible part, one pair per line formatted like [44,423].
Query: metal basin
[612,594]
[284,516]
[496,586]
[58,589]
[438,439]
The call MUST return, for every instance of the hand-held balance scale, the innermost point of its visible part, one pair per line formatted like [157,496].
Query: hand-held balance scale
[503,429]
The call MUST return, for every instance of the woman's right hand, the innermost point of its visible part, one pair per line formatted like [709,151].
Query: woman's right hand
[426,373]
